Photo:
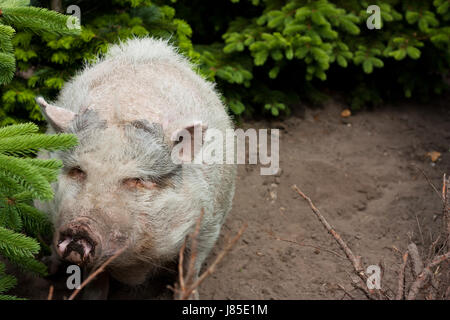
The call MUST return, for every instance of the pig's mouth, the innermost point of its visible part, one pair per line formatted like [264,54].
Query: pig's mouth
[76,244]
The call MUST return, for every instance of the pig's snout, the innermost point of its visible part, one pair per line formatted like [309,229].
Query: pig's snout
[78,244]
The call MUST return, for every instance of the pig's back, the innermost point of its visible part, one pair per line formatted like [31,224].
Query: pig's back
[145,79]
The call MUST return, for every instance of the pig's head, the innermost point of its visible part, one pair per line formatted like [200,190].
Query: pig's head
[119,188]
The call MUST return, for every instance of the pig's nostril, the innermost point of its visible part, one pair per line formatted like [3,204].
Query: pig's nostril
[87,247]
[77,248]
[63,243]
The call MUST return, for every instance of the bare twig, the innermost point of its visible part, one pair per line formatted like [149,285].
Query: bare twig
[446,210]
[188,282]
[432,249]
[50,293]
[219,258]
[346,292]
[438,260]
[304,244]
[420,230]
[419,283]
[401,278]
[429,181]
[95,273]
[180,266]
[355,260]
[191,272]
[425,276]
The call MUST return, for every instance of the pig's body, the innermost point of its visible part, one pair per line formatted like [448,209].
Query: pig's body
[119,183]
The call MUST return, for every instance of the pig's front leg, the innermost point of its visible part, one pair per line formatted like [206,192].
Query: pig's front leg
[98,288]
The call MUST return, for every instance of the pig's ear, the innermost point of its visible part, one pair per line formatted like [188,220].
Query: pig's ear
[188,141]
[57,117]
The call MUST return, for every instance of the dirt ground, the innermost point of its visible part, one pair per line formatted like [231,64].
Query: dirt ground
[362,173]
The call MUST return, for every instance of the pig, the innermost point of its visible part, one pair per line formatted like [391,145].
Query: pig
[120,186]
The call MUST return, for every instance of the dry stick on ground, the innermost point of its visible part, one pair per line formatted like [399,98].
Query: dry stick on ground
[187,285]
[428,180]
[180,287]
[425,276]
[304,244]
[355,260]
[191,272]
[401,278]
[180,267]
[219,258]
[50,293]
[346,293]
[432,250]
[446,209]
[96,273]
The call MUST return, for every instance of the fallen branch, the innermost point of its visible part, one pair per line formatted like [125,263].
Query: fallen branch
[355,260]
[219,258]
[425,276]
[401,279]
[95,273]
[445,208]
[50,293]
[189,283]
[346,293]
[191,270]
[304,244]
[429,181]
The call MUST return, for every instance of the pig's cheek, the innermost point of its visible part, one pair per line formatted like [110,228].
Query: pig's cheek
[143,239]
[66,200]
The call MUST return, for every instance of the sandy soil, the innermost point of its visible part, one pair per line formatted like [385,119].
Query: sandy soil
[361,173]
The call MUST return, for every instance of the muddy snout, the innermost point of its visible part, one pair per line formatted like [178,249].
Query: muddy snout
[78,243]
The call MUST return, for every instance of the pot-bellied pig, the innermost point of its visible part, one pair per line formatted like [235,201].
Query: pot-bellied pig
[120,187]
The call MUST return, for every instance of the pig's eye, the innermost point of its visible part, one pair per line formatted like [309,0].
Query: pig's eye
[137,183]
[76,173]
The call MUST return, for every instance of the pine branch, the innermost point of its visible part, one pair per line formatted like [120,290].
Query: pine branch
[10,217]
[24,145]
[29,264]
[18,130]
[22,197]
[38,20]
[27,176]
[7,67]
[14,3]
[9,297]
[49,174]
[16,246]
[6,35]
[45,163]
[7,282]
[9,187]
[34,221]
